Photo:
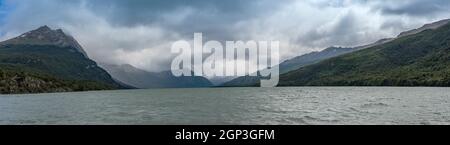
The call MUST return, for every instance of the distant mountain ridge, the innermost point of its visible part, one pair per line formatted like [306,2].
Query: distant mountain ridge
[431,26]
[143,79]
[313,57]
[292,64]
[46,60]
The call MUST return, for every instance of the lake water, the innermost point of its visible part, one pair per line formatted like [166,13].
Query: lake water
[223,106]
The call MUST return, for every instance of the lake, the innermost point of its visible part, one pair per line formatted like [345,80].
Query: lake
[236,106]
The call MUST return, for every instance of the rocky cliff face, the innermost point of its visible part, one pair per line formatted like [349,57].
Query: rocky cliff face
[13,82]
[28,84]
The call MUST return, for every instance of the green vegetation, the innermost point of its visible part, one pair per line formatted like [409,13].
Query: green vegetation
[292,64]
[47,68]
[14,81]
[421,59]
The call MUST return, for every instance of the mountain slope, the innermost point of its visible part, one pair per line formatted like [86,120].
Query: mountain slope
[48,57]
[430,26]
[420,59]
[292,64]
[46,36]
[314,57]
[144,79]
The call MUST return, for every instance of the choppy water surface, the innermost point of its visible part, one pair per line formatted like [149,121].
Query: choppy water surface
[295,105]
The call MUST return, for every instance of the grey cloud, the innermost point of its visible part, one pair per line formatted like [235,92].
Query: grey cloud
[209,16]
[343,32]
[140,32]
[419,8]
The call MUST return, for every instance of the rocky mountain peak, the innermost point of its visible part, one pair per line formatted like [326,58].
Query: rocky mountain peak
[44,35]
[44,28]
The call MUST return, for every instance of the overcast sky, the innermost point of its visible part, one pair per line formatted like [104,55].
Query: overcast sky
[141,32]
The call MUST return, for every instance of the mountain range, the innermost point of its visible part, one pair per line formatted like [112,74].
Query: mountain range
[46,60]
[290,69]
[420,58]
[292,64]
[139,78]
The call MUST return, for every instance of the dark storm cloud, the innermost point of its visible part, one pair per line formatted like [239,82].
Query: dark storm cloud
[345,28]
[138,12]
[414,7]
[185,16]
[140,32]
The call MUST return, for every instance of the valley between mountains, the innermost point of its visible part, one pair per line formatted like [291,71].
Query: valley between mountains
[46,60]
